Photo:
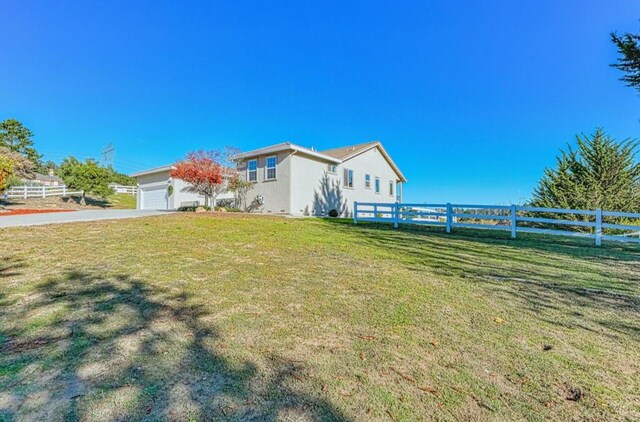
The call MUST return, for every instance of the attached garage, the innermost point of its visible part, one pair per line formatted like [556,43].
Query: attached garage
[157,190]
[154,198]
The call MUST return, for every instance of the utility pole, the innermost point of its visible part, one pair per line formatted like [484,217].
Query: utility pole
[107,155]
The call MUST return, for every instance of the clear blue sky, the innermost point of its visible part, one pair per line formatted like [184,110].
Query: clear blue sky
[471,98]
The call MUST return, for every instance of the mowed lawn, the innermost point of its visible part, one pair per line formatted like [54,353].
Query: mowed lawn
[232,317]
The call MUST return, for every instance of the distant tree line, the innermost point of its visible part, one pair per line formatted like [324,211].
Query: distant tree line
[19,160]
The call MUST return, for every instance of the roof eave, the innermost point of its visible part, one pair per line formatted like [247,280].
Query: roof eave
[386,156]
[153,171]
[285,146]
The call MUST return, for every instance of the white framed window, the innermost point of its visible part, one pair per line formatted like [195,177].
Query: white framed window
[332,168]
[348,178]
[270,172]
[377,185]
[252,171]
[390,187]
[367,181]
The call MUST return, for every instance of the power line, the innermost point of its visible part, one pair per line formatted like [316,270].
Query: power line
[107,155]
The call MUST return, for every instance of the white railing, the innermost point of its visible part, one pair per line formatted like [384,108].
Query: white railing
[131,190]
[504,217]
[26,192]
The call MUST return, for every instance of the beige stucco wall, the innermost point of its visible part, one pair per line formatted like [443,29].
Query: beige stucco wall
[275,193]
[315,191]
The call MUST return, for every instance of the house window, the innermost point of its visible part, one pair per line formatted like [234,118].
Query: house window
[252,170]
[377,185]
[332,168]
[367,181]
[390,187]
[270,169]
[348,178]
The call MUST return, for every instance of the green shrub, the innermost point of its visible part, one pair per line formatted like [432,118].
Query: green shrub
[192,208]
[228,209]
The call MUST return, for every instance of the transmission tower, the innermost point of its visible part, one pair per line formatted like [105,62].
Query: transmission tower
[107,155]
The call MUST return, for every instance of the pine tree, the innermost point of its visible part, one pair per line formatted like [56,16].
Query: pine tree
[629,60]
[600,173]
[17,138]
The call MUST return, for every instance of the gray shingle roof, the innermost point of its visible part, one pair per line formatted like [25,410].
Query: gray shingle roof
[348,151]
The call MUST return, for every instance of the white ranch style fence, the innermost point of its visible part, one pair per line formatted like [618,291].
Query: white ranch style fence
[26,192]
[504,217]
[131,190]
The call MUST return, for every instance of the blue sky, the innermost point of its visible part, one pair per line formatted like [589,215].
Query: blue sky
[471,98]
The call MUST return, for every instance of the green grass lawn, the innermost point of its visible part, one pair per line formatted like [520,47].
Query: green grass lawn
[122,201]
[233,317]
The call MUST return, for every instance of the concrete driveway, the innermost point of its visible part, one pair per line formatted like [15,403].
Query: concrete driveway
[72,217]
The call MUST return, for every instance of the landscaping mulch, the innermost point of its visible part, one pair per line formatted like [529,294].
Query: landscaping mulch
[6,213]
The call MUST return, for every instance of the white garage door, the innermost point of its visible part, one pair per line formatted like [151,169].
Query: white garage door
[154,198]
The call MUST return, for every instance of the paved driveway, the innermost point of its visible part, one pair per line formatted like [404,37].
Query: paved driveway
[71,217]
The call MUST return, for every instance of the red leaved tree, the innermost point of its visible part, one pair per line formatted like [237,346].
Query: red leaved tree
[204,173]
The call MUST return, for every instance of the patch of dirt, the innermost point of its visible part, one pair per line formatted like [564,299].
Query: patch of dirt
[23,346]
[572,393]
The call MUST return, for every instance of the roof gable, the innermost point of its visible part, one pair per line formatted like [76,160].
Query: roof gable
[344,153]
[349,152]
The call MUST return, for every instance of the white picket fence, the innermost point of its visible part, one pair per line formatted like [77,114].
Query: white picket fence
[507,217]
[26,192]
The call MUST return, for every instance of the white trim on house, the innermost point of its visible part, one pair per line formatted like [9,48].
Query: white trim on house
[249,170]
[385,154]
[153,170]
[349,178]
[274,168]
[284,146]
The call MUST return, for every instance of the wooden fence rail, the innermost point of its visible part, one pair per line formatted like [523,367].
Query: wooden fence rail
[505,217]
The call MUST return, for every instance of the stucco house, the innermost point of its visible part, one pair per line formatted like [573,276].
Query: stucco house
[291,179]
[294,180]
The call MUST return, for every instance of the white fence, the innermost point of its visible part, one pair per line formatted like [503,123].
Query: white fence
[504,217]
[131,190]
[26,192]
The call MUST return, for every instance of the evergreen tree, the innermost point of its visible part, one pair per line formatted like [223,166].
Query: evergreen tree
[17,138]
[599,173]
[629,62]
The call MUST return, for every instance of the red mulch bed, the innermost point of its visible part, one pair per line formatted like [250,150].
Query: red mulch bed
[28,211]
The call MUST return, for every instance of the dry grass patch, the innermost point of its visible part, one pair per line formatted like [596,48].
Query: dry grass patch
[232,317]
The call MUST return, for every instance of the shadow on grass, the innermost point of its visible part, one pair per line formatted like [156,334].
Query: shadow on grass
[563,275]
[86,347]
[10,266]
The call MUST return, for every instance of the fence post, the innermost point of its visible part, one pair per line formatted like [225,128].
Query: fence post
[44,192]
[396,215]
[25,192]
[64,190]
[449,221]
[599,227]
[375,212]
[355,212]
[513,221]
